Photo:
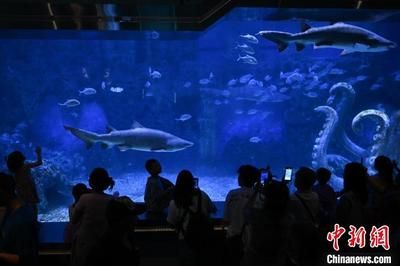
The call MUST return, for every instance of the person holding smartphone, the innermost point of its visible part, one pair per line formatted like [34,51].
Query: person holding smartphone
[234,214]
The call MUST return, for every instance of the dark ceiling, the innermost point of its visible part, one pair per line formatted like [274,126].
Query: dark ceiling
[146,14]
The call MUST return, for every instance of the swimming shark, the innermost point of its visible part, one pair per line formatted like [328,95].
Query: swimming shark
[136,138]
[348,37]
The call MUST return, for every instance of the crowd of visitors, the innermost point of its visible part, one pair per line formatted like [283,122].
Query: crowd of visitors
[264,223]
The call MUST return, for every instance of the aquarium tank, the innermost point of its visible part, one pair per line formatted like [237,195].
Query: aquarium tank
[278,87]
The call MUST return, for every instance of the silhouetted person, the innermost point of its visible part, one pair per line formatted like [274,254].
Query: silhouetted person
[304,207]
[18,238]
[326,194]
[185,204]
[158,191]
[77,191]
[90,214]
[25,184]
[117,246]
[269,228]
[235,203]
[352,206]
[388,192]
[380,184]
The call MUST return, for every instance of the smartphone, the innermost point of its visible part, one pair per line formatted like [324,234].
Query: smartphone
[288,172]
[196,182]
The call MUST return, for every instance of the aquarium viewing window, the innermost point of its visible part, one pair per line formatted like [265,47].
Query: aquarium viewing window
[278,87]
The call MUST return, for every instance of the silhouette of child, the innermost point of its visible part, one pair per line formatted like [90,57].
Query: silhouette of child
[25,184]
[326,194]
[158,191]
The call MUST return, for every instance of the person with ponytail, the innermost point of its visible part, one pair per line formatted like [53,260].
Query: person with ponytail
[90,214]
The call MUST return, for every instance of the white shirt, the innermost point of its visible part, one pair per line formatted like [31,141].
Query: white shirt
[235,203]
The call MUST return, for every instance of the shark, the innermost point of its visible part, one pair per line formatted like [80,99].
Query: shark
[137,137]
[348,37]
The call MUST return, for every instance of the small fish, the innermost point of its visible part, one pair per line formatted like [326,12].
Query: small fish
[361,78]
[103,85]
[267,78]
[154,74]
[187,84]
[252,111]
[183,117]
[226,93]
[226,101]
[283,90]
[284,75]
[324,86]
[296,87]
[116,89]
[245,78]
[149,94]
[255,83]
[217,102]
[88,91]
[247,59]
[375,87]
[70,103]
[255,139]
[74,114]
[85,73]
[147,84]
[211,75]
[204,81]
[249,38]
[245,48]
[238,111]
[336,71]
[295,77]
[276,97]
[232,82]
[311,94]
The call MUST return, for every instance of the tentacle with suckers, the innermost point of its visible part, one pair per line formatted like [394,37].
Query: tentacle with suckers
[321,142]
[379,137]
[342,107]
[392,143]
[347,97]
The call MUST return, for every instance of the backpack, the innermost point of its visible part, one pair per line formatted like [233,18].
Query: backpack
[199,233]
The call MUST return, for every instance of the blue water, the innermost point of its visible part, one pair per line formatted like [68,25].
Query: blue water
[267,120]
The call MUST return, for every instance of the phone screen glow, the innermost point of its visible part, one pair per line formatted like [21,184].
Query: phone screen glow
[288,174]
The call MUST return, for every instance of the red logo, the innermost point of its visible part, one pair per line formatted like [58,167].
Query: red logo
[378,237]
[357,237]
[335,235]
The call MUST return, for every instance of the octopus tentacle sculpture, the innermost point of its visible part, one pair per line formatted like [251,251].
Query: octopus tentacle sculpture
[341,99]
[379,138]
[319,155]
[385,139]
